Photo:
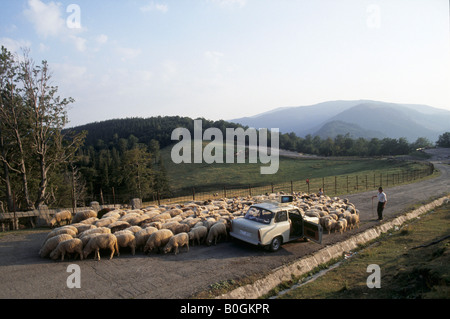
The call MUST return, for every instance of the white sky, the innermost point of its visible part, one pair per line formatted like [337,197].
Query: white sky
[224,59]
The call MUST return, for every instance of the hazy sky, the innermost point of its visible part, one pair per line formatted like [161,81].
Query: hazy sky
[224,59]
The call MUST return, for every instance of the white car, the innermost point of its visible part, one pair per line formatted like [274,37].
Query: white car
[271,224]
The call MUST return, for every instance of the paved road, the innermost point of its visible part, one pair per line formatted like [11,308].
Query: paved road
[23,274]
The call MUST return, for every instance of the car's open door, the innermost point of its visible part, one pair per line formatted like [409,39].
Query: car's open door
[312,231]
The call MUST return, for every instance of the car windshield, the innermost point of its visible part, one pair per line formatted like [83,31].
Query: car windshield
[259,215]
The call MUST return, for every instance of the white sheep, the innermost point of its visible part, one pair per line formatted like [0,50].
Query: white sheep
[61,231]
[98,230]
[102,241]
[178,240]
[82,227]
[71,227]
[355,220]
[198,234]
[133,229]
[217,230]
[143,235]
[161,217]
[104,222]
[126,239]
[69,246]
[341,225]
[85,239]
[157,240]
[50,244]
[80,216]
[89,221]
[60,217]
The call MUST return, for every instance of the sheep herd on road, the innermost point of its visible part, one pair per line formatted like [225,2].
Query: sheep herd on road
[168,228]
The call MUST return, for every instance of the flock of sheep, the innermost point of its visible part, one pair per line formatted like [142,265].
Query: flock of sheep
[168,228]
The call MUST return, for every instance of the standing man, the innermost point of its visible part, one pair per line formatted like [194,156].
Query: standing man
[382,200]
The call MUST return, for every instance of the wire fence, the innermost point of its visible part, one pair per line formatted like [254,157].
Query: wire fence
[331,186]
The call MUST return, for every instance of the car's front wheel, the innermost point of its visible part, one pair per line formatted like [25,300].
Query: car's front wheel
[276,243]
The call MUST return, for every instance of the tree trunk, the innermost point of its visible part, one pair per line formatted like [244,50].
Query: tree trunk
[8,192]
[43,184]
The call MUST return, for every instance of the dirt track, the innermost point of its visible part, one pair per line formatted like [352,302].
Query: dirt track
[23,274]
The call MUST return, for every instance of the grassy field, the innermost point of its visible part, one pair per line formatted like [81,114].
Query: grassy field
[214,177]
[411,265]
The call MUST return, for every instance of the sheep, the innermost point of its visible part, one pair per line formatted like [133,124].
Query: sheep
[57,232]
[60,217]
[209,222]
[334,216]
[329,224]
[157,225]
[98,230]
[85,239]
[102,241]
[80,216]
[114,213]
[174,212]
[179,240]
[50,244]
[89,221]
[118,225]
[198,233]
[71,227]
[355,220]
[69,246]
[104,222]
[157,240]
[134,229]
[215,232]
[160,217]
[82,227]
[181,228]
[143,235]
[341,225]
[126,239]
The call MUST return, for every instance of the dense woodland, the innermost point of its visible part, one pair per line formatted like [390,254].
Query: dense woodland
[42,162]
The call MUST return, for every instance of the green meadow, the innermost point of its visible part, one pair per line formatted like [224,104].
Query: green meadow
[214,177]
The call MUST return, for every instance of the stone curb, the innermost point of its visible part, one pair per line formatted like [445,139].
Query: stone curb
[306,264]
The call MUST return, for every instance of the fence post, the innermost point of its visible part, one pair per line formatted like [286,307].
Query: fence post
[193,193]
[224,192]
[292,188]
[335,185]
[366,184]
[347,184]
[323,184]
[114,197]
[249,190]
[357,185]
[14,210]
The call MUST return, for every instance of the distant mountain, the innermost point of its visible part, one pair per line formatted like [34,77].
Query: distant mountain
[335,128]
[360,118]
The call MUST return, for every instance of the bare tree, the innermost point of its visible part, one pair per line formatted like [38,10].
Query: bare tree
[47,113]
[13,117]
